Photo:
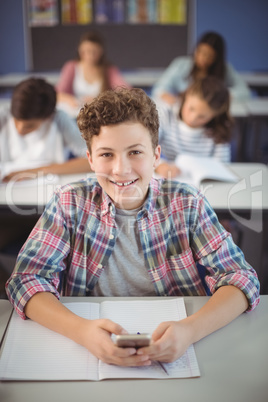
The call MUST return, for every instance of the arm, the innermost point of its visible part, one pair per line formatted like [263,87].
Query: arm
[222,152]
[73,166]
[94,335]
[116,79]
[68,129]
[64,87]
[169,98]
[171,339]
[232,281]
[167,170]
[173,81]
[65,83]
[33,286]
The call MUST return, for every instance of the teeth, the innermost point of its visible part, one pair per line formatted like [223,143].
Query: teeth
[124,184]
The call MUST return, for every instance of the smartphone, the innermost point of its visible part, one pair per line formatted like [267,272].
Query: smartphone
[133,340]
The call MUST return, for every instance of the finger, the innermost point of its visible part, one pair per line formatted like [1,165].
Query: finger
[160,331]
[113,327]
[132,361]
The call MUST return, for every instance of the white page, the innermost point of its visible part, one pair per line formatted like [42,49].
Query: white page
[194,169]
[145,316]
[33,352]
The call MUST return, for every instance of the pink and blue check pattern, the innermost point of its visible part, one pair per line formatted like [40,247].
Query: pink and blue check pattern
[70,245]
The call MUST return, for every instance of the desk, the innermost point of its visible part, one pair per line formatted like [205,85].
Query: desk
[233,364]
[255,140]
[256,81]
[28,199]
[9,81]
[246,202]
[142,77]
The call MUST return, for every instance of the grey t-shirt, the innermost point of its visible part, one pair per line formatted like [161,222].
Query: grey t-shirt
[126,273]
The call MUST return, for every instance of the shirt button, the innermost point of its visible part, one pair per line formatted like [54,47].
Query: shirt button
[111,236]
[99,266]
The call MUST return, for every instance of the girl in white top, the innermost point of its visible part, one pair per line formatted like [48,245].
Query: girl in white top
[83,79]
[35,137]
[202,127]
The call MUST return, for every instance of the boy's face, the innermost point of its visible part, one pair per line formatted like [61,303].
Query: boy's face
[123,159]
[27,126]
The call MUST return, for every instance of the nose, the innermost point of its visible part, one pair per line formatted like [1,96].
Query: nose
[121,166]
[191,118]
[20,128]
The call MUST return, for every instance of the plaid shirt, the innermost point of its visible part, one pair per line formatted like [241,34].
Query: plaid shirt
[71,244]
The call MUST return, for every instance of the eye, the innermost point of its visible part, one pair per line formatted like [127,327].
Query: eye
[106,155]
[135,152]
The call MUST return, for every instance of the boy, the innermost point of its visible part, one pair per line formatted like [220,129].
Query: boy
[35,137]
[129,234]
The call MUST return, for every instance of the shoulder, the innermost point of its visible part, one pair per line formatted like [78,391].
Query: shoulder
[184,62]
[5,115]
[60,116]
[166,114]
[85,188]
[229,68]
[79,195]
[174,191]
[70,65]
[112,69]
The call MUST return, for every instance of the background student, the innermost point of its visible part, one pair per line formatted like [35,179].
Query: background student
[83,79]
[35,137]
[208,59]
[128,234]
[202,127]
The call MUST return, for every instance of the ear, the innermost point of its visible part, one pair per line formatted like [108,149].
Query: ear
[157,155]
[89,158]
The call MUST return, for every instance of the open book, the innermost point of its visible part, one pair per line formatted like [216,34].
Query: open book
[195,169]
[33,352]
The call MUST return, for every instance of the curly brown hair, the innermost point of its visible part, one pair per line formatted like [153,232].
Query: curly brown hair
[214,92]
[115,107]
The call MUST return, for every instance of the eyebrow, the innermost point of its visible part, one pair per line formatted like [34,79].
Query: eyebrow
[111,149]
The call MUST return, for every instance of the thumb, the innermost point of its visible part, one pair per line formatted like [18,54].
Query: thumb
[159,332]
[114,328]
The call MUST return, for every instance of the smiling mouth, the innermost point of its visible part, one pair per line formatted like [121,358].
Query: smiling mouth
[123,184]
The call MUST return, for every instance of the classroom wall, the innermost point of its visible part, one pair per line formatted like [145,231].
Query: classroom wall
[243,23]
[11,37]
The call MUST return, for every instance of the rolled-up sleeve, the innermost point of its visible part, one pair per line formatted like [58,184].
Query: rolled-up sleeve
[41,260]
[224,261]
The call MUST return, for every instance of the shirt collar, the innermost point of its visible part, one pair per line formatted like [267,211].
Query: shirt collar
[107,205]
[149,204]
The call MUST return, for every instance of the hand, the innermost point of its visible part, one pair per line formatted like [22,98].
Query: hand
[86,99]
[96,338]
[20,175]
[169,98]
[171,339]
[72,101]
[168,170]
